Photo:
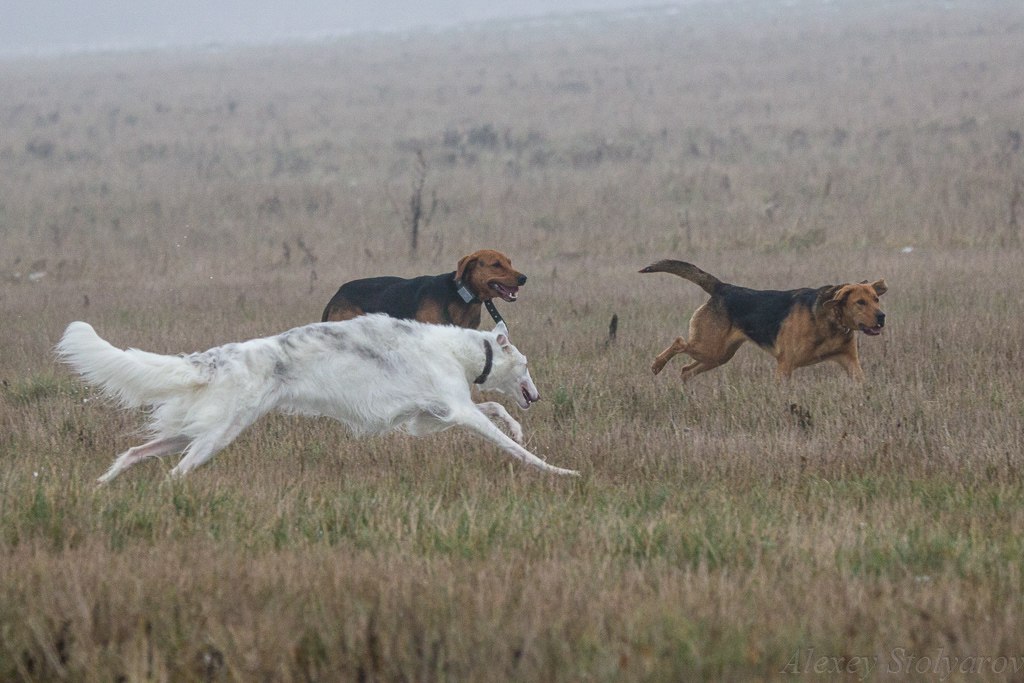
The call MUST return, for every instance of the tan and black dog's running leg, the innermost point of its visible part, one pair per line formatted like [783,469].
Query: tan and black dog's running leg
[674,349]
[850,360]
[707,361]
[713,341]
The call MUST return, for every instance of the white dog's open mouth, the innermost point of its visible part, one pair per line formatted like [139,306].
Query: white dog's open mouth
[506,293]
[527,398]
[871,331]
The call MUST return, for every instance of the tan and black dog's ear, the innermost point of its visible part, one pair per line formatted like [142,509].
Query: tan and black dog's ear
[827,297]
[464,263]
[878,285]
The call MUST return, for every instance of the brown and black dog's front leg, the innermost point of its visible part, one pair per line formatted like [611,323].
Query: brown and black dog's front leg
[847,357]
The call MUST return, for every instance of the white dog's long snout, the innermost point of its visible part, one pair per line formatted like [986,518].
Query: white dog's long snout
[528,394]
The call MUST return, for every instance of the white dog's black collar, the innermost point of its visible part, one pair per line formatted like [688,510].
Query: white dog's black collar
[489,353]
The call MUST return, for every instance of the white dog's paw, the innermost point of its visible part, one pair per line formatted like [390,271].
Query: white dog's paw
[515,430]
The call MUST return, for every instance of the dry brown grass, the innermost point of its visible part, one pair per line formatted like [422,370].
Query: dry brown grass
[713,535]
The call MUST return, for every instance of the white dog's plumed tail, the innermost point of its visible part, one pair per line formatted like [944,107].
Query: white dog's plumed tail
[135,378]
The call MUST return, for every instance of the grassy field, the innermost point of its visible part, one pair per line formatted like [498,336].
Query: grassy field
[181,200]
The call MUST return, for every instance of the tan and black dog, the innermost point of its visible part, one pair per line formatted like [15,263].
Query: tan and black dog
[450,298]
[798,326]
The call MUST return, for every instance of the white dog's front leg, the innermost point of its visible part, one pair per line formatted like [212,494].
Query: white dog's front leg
[478,422]
[496,411]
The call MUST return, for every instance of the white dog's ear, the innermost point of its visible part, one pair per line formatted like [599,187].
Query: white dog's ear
[502,334]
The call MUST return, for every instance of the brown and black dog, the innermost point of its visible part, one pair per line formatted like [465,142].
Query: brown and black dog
[798,326]
[450,298]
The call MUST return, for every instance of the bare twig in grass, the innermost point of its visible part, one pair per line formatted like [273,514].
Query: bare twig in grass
[687,226]
[801,416]
[419,215]
[613,330]
[308,257]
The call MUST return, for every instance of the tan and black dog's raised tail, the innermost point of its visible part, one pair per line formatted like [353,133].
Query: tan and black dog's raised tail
[798,326]
[688,271]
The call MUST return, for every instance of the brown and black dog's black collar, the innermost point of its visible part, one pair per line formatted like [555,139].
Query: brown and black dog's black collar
[463,291]
[489,305]
[467,296]
[488,363]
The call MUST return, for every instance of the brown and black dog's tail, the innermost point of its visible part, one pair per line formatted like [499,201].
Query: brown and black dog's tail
[688,271]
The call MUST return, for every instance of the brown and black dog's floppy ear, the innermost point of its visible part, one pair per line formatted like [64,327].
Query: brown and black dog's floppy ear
[827,297]
[464,263]
[878,285]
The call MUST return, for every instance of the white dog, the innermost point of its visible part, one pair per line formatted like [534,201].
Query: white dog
[373,373]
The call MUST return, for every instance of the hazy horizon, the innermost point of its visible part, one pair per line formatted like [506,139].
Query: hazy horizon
[54,27]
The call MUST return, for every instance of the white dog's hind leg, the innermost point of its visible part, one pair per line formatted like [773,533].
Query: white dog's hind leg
[206,446]
[474,419]
[496,411]
[152,449]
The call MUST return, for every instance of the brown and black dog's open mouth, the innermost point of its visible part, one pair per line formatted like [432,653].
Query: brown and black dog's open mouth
[507,293]
[871,331]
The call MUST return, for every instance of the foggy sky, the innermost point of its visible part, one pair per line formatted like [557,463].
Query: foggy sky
[45,27]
